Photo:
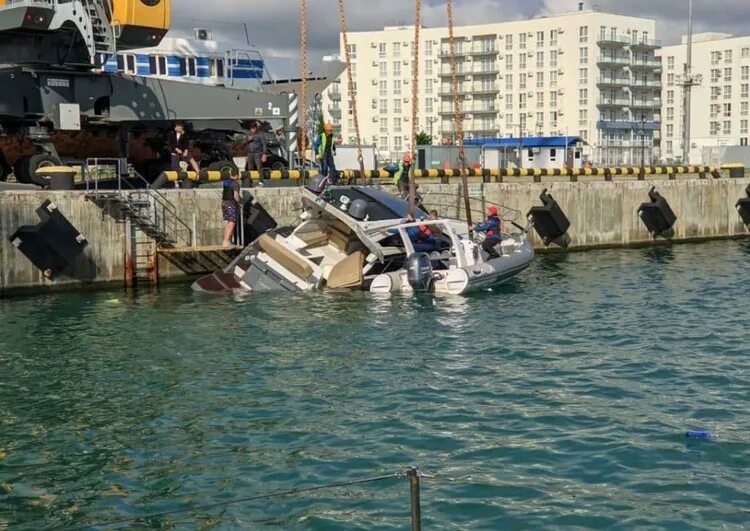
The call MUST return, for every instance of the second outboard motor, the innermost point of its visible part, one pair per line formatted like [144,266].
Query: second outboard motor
[358,209]
[419,272]
[318,184]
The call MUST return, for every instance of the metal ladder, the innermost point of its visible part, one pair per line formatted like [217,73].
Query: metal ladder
[104,30]
[152,220]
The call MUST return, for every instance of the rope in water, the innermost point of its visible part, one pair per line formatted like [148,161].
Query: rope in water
[208,506]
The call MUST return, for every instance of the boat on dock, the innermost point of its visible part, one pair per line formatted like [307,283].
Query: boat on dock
[359,238]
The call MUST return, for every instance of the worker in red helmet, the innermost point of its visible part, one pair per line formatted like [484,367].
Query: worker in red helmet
[401,177]
[492,229]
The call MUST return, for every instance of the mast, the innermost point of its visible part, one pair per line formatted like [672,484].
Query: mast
[688,84]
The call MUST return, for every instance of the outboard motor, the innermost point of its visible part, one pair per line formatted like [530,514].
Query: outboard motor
[318,184]
[419,272]
[358,209]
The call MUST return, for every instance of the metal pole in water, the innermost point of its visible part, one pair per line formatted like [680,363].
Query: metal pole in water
[416,509]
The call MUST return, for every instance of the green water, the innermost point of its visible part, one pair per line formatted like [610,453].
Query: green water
[559,400]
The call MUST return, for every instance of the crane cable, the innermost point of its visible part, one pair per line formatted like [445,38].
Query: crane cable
[414,106]
[302,108]
[352,94]
[458,115]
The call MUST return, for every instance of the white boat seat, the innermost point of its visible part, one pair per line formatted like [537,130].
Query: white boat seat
[347,274]
[293,263]
[314,238]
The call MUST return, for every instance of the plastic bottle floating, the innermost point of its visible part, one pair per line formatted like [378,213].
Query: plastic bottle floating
[701,435]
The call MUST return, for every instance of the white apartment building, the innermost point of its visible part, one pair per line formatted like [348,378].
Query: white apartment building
[586,73]
[720,105]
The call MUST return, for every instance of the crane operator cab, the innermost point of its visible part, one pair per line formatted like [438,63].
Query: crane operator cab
[140,23]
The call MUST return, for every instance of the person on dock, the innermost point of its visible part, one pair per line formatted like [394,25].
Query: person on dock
[492,229]
[434,215]
[325,150]
[230,202]
[256,150]
[179,149]
[401,177]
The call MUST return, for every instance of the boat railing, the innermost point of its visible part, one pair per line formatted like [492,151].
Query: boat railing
[479,206]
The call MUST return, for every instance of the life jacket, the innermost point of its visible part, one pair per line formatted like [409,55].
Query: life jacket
[494,232]
[324,144]
[402,174]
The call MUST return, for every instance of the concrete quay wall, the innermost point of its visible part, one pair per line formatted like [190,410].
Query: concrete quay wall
[602,214]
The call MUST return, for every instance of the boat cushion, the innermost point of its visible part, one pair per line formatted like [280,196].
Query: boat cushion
[293,263]
[313,238]
[347,273]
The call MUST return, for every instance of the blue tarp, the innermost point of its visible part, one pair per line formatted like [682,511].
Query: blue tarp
[527,142]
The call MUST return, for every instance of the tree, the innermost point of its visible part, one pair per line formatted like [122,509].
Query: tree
[423,139]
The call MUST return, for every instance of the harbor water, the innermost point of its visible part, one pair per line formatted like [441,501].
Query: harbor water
[560,399]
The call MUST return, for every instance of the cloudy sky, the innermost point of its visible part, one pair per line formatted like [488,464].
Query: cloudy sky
[273,24]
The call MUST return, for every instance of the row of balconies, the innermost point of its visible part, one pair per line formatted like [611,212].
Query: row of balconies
[649,125]
[626,61]
[627,102]
[620,41]
[619,142]
[626,81]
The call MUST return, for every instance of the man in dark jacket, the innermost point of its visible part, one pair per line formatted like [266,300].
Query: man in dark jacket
[325,151]
[256,149]
[179,148]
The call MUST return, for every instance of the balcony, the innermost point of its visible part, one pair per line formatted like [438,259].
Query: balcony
[613,81]
[647,64]
[485,70]
[646,85]
[483,133]
[613,102]
[484,89]
[612,41]
[334,111]
[335,95]
[613,60]
[646,104]
[644,44]
[445,53]
[461,71]
[484,50]
[628,125]
[447,90]
[481,109]
[616,142]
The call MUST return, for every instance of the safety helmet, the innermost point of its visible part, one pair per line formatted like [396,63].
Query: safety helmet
[407,158]
[492,211]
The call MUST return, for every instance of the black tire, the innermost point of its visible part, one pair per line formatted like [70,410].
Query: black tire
[222,166]
[35,162]
[20,168]
[278,166]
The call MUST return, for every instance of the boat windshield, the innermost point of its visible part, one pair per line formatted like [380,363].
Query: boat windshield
[381,206]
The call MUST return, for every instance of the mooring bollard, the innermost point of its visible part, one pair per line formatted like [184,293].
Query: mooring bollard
[416,509]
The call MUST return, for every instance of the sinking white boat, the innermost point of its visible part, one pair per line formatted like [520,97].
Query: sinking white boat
[358,238]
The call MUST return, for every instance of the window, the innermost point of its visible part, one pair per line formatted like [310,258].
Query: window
[382,50]
[540,59]
[428,86]
[509,42]
[727,127]
[670,63]
[553,79]
[353,52]
[715,93]
[583,56]
[396,87]
[540,80]
[727,57]
[714,128]
[539,39]
[670,113]
[522,101]
[383,72]
[670,97]
[396,68]
[714,110]
[158,65]
[522,61]
[129,64]
[397,105]
[670,80]
[744,90]
[428,108]
[745,73]
[509,62]
[384,125]
[509,102]
[397,125]
[583,97]
[508,81]
[540,121]
[428,48]
[727,92]
[744,108]
[745,52]
[383,106]
[553,37]
[715,58]
[522,81]
[670,147]
[727,74]
[539,100]
[553,98]
[383,89]
[583,34]
[397,143]
[553,120]
[743,127]
[743,141]
[727,110]
[670,130]
[428,67]
[583,116]
[715,75]
[396,46]
[583,76]
[553,155]
[553,59]
[522,41]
